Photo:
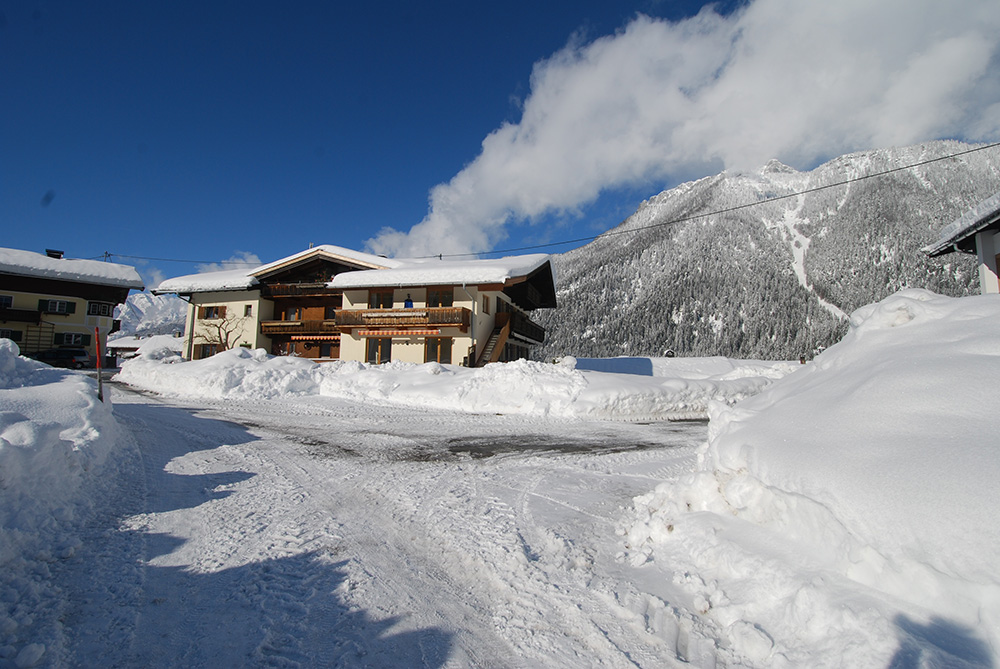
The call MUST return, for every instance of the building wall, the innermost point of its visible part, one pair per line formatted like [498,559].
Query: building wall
[414,348]
[245,329]
[62,329]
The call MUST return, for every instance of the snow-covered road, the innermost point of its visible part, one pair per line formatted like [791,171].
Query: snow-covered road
[321,532]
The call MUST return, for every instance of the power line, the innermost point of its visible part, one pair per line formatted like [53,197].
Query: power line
[727,210]
[612,233]
[107,254]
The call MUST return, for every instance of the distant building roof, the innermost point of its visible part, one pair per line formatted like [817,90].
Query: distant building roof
[959,235]
[29,263]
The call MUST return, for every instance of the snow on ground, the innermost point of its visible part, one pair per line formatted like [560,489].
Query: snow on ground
[846,516]
[263,511]
[683,390]
[55,436]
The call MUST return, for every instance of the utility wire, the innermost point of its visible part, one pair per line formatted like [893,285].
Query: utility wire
[613,233]
[727,210]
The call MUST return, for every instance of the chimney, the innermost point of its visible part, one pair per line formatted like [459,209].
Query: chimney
[52,253]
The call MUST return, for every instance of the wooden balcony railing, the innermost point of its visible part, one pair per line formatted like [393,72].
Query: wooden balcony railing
[298,327]
[527,328]
[296,289]
[395,318]
[21,316]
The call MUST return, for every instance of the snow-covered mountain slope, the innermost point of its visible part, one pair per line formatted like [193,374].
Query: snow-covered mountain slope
[773,280]
[146,314]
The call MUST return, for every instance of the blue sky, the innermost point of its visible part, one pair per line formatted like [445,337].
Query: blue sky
[206,130]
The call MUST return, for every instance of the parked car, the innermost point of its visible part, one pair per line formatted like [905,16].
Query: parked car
[72,358]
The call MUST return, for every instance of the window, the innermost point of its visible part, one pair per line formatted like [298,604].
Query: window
[72,339]
[6,302]
[379,350]
[440,297]
[438,350]
[57,306]
[380,299]
[209,313]
[248,310]
[330,313]
[206,350]
[100,309]
[486,304]
[13,335]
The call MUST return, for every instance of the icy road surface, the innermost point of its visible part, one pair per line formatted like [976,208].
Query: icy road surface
[319,532]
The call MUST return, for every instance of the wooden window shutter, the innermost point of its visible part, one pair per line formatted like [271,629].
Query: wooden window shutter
[70,307]
[222,312]
[43,305]
[86,340]
[201,313]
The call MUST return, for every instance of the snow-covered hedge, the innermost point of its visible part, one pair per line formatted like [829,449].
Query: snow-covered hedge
[852,506]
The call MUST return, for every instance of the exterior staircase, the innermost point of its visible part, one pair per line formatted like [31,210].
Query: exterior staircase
[494,345]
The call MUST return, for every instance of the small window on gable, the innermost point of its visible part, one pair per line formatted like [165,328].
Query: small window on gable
[248,310]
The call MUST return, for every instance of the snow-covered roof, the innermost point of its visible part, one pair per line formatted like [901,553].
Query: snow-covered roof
[29,263]
[209,282]
[980,217]
[245,279]
[386,272]
[429,272]
[332,252]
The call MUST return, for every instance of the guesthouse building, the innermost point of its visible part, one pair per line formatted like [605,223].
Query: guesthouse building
[332,303]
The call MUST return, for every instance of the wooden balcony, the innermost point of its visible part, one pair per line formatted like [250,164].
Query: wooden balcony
[525,327]
[459,317]
[298,327]
[20,316]
[297,290]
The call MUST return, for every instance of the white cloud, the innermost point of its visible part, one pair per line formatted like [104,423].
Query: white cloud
[797,80]
[239,260]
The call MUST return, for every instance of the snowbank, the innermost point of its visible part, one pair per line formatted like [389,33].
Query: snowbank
[54,437]
[849,511]
[521,387]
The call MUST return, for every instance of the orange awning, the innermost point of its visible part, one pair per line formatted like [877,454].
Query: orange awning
[315,337]
[398,333]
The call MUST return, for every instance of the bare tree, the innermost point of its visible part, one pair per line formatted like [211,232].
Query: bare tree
[220,329]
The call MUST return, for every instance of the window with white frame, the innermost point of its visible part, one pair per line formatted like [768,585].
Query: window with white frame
[6,302]
[57,306]
[100,309]
[72,339]
[13,335]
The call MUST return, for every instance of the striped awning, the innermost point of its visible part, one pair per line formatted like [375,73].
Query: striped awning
[398,333]
[335,337]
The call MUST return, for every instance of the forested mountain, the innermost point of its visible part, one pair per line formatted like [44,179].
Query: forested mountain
[776,279]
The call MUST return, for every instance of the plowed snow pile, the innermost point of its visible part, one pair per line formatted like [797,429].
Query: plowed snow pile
[847,515]
[522,387]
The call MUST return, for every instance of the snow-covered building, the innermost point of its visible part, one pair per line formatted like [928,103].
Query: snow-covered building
[975,232]
[330,303]
[48,301]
